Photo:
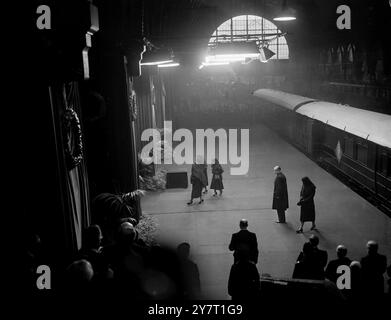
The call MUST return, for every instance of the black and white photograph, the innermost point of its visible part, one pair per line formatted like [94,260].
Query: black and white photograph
[204,158]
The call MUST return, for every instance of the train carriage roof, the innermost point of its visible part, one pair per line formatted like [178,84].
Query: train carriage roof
[373,126]
[283,99]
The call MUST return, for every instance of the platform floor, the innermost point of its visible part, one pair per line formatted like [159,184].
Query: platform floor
[342,216]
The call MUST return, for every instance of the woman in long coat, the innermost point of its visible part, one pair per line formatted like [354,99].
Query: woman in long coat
[198,181]
[205,187]
[217,179]
[307,210]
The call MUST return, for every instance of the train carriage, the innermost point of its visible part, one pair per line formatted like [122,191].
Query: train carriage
[353,144]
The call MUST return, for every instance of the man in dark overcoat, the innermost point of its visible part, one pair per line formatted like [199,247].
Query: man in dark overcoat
[373,266]
[280,195]
[244,240]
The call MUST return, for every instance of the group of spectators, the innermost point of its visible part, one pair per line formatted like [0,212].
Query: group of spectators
[356,279]
[129,265]
[113,258]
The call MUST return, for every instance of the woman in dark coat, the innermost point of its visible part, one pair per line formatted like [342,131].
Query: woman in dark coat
[217,179]
[206,176]
[198,181]
[307,210]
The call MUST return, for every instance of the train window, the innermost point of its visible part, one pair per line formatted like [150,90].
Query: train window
[349,147]
[385,164]
[388,174]
[330,138]
[362,153]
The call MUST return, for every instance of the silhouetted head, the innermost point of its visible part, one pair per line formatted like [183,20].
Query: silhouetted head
[183,250]
[80,272]
[92,237]
[132,221]
[314,240]
[217,161]
[355,265]
[306,181]
[127,233]
[355,271]
[277,169]
[372,247]
[243,224]
[342,251]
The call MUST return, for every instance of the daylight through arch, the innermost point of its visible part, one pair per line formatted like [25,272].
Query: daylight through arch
[251,27]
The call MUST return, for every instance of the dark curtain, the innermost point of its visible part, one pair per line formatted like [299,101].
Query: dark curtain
[74,181]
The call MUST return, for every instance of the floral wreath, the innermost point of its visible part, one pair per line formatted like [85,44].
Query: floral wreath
[72,139]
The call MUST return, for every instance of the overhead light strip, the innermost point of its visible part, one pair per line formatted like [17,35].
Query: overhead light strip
[168,65]
[154,63]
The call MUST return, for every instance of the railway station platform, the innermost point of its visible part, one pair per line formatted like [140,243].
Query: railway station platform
[342,216]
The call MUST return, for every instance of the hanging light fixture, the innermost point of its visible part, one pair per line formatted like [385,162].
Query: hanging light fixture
[156,56]
[266,54]
[286,13]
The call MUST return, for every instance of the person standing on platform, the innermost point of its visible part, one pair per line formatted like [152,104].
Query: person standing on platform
[190,272]
[306,203]
[342,260]
[217,178]
[321,256]
[306,266]
[244,281]
[197,180]
[318,258]
[205,187]
[280,195]
[373,266]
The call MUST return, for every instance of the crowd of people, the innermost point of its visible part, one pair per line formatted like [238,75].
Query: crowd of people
[363,278]
[113,257]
